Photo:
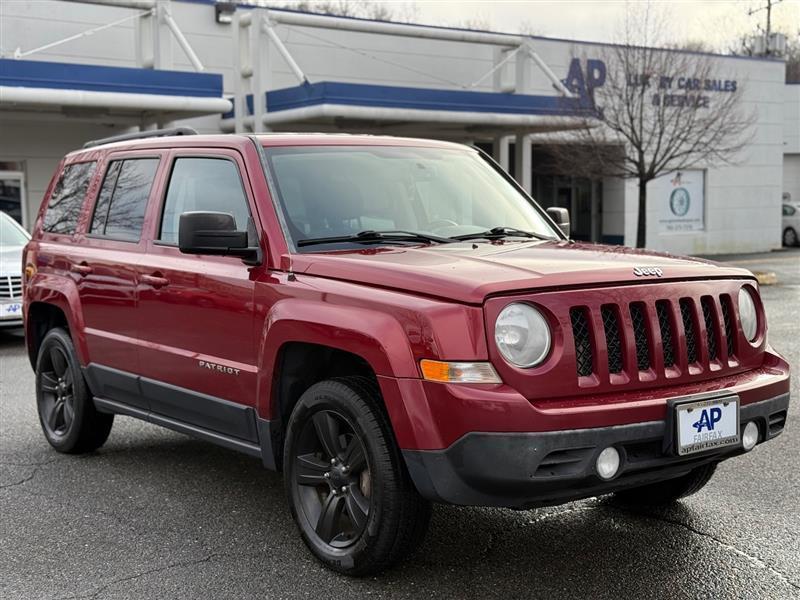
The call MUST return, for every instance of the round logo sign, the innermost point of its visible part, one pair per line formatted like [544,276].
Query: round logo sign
[679,201]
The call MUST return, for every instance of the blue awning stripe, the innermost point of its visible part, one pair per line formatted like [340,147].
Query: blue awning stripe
[67,76]
[385,96]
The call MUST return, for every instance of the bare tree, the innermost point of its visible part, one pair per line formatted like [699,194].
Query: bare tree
[382,11]
[656,111]
[792,57]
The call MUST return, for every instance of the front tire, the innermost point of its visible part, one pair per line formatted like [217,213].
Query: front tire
[790,237]
[67,414]
[671,490]
[348,488]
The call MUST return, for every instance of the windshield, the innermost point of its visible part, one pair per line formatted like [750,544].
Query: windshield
[340,191]
[10,234]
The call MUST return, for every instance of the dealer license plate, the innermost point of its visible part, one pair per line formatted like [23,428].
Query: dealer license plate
[10,310]
[707,424]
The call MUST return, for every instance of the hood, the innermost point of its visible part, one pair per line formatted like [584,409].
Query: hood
[11,260]
[470,271]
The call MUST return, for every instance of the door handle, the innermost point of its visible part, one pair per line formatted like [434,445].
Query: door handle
[155,281]
[81,269]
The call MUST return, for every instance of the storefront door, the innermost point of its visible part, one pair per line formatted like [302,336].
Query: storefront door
[12,196]
[580,196]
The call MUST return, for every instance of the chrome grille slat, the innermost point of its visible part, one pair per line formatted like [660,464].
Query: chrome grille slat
[10,286]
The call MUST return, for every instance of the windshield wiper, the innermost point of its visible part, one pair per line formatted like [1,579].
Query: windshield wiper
[371,236]
[495,233]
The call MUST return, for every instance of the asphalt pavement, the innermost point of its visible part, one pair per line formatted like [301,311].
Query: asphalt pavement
[155,514]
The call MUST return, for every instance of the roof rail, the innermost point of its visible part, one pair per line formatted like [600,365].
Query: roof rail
[141,135]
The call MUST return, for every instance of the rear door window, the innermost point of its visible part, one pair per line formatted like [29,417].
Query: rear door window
[67,198]
[121,204]
[203,184]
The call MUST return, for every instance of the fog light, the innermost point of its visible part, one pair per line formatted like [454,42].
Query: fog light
[608,463]
[750,436]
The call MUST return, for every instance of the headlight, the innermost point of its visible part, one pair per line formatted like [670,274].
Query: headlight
[522,335]
[747,314]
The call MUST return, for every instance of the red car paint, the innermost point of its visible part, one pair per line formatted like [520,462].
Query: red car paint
[391,306]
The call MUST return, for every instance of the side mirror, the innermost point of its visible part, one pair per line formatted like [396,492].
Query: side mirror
[213,233]
[560,217]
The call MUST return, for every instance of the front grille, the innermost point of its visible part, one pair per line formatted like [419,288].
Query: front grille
[583,345]
[10,286]
[665,328]
[613,338]
[677,335]
[640,336]
[688,329]
[711,330]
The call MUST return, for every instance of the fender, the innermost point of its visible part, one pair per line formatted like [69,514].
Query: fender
[375,336]
[61,292]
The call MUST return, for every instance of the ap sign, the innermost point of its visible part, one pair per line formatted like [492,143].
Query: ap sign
[681,201]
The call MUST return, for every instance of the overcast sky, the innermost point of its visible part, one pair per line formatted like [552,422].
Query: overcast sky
[711,21]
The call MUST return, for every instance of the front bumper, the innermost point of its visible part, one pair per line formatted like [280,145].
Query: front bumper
[523,470]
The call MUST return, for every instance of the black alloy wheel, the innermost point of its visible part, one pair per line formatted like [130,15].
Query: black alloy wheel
[347,485]
[67,414]
[333,478]
[57,399]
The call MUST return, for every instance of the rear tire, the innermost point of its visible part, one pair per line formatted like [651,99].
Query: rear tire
[67,414]
[790,237]
[346,482]
[666,492]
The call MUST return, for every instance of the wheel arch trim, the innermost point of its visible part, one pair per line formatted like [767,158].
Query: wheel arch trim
[61,293]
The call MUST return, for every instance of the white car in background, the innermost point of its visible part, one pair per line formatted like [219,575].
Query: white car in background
[12,240]
[791,223]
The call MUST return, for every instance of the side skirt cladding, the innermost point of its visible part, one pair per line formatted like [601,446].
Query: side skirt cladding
[222,422]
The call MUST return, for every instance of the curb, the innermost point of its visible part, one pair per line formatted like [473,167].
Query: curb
[766,277]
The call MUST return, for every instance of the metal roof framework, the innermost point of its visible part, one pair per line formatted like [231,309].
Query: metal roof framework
[339,106]
[152,93]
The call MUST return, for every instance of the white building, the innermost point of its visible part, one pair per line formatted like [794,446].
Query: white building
[71,72]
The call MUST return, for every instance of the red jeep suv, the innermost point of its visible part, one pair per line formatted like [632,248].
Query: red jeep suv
[389,322]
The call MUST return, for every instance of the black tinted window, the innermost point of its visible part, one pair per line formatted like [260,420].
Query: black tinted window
[67,198]
[204,184]
[122,202]
[104,198]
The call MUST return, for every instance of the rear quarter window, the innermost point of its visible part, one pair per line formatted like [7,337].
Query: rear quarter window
[121,204]
[67,198]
